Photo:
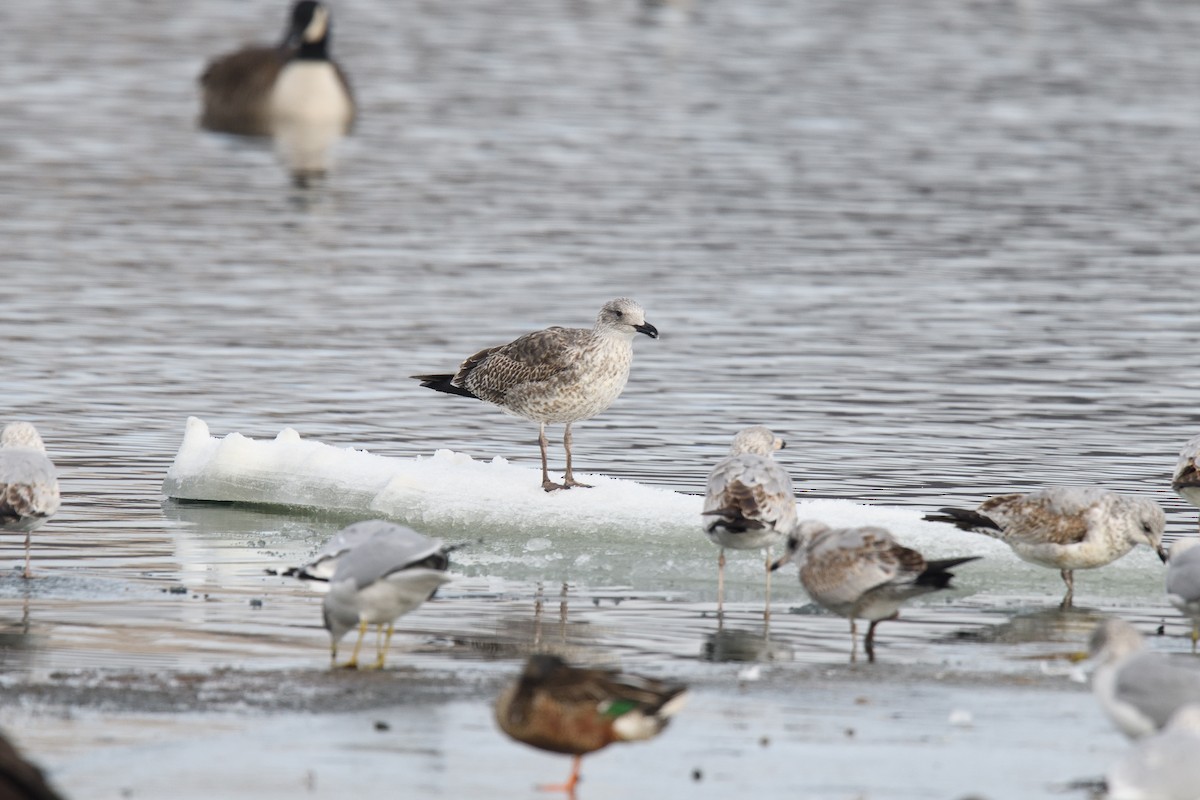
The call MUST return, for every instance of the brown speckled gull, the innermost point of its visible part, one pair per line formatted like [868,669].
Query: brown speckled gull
[862,573]
[556,375]
[1065,527]
[748,502]
[28,482]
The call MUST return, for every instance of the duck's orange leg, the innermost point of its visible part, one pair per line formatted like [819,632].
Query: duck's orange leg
[569,786]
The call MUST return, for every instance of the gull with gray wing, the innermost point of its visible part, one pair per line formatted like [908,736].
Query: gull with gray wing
[387,574]
[749,503]
[1161,766]
[1139,689]
[862,573]
[1183,582]
[555,375]
[1065,528]
[28,483]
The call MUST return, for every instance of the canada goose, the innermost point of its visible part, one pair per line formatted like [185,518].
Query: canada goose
[293,92]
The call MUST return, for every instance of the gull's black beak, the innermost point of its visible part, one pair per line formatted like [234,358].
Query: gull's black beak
[1162,553]
[647,329]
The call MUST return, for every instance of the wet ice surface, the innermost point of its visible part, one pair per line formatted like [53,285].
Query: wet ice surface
[947,250]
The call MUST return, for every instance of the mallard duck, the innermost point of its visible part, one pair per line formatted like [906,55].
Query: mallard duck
[294,92]
[28,482]
[748,504]
[387,574]
[564,709]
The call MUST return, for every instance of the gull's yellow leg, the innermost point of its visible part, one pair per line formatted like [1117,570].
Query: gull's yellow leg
[381,653]
[353,662]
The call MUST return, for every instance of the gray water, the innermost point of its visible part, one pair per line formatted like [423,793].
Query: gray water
[947,250]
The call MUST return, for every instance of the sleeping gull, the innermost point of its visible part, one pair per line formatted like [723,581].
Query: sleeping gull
[1183,582]
[1162,766]
[862,573]
[28,483]
[1186,480]
[386,575]
[1065,528]
[1138,689]
[554,375]
[749,504]
[572,710]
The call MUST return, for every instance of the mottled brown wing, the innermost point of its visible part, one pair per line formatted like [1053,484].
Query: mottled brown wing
[750,491]
[843,564]
[1039,518]
[490,374]
[236,89]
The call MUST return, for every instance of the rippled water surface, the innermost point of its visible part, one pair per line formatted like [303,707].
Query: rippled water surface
[946,249]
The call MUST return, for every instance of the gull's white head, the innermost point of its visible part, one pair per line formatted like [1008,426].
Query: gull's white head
[21,434]
[798,539]
[626,317]
[1147,524]
[756,439]
[1113,640]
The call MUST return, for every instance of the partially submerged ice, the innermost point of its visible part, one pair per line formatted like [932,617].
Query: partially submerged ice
[449,493]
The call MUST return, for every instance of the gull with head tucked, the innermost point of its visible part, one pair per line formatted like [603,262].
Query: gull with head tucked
[1065,528]
[863,573]
[389,572]
[555,375]
[748,503]
[28,482]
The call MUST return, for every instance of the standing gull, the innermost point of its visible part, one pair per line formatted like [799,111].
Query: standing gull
[564,709]
[1065,528]
[321,567]
[749,504]
[1183,582]
[554,375]
[293,92]
[28,482]
[384,576]
[1186,480]
[862,573]
[1138,689]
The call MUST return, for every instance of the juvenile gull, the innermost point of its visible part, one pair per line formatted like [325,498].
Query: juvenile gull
[28,482]
[387,574]
[748,504]
[1138,689]
[564,709]
[862,573]
[1183,582]
[1161,766]
[1186,480]
[555,375]
[294,92]
[1065,528]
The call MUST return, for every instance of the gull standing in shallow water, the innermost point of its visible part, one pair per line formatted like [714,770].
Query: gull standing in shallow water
[1183,582]
[748,504]
[555,375]
[862,573]
[389,573]
[1065,528]
[28,482]
[564,709]
[1138,689]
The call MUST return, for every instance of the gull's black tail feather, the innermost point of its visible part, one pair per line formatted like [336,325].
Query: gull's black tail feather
[444,383]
